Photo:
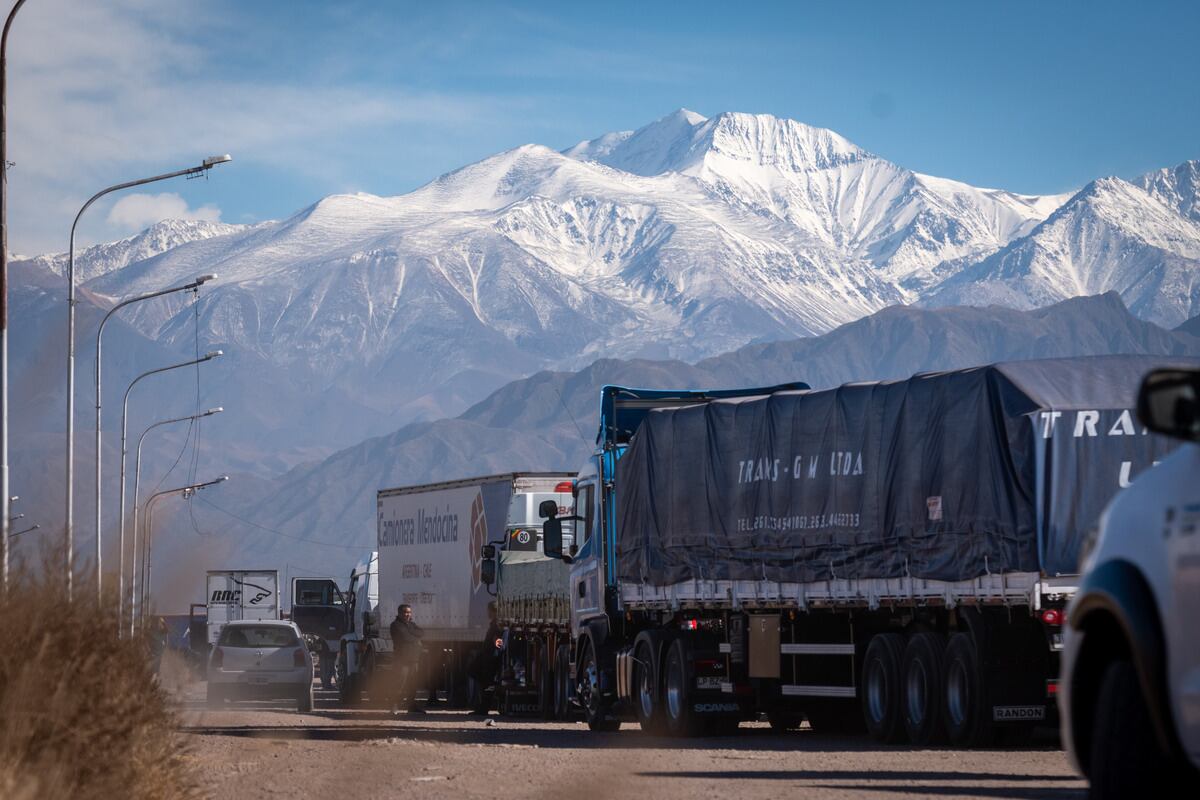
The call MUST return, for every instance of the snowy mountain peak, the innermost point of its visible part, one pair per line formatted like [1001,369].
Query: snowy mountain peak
[764,140]
[683,140]
[100,259]
[1177,188]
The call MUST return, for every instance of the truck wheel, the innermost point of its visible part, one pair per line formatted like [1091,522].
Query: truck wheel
[923,688]
[546,685]
[963,709]
[562,683]
[589,693]
[882,694]
[304,700]
[1125,758]
[677,693]
[647,689]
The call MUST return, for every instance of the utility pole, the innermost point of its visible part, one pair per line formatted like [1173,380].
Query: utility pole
[4,522]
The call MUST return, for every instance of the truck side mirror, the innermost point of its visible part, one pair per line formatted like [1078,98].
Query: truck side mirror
[487,552]
[548,509]
[1169,403]
[552,537]
[487,571]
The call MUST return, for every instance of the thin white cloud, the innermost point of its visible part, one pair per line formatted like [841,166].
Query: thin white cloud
[136,212]
[104,92]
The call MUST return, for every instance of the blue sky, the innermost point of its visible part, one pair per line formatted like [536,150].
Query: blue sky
[314,98]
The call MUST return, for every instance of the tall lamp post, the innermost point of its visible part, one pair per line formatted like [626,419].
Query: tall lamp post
[186,491]
[193,286]
[125,430]
[4,527]
[204,166]
[137,479]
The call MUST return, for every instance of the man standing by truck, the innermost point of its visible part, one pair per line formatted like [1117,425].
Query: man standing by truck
[406,658]
[486,662]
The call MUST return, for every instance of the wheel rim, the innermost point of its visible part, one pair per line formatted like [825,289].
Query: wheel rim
[590,688]
[918,692]
[957,693]
[675,689]
[645,688]
[876,691]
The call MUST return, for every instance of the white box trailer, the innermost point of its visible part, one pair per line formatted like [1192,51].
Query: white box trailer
[429,539]
[240,594]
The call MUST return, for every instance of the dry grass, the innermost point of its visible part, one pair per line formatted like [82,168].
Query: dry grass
[81,714]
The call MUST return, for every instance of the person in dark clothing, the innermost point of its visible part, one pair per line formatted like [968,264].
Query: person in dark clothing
[406,658]
[486,662]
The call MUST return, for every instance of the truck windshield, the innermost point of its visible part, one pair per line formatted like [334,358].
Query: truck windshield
[257,636]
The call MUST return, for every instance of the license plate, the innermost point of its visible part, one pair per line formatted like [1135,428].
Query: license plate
[709,683]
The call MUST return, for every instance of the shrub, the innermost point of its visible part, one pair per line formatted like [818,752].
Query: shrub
[81,713]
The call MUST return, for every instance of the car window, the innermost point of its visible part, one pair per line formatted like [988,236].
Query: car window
[257,636]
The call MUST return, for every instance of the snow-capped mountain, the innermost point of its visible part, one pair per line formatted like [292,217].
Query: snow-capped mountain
[1141,239]
[687,237]
[92,262]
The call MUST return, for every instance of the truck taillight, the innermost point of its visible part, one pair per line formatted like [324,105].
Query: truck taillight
[298,657]
[564,487]
[690,624]
[218,658]
[1053,616]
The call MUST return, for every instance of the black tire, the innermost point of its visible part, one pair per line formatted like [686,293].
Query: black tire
[562,683]
[882,691]
[546,684]
[595,711]
[677,693]
[304,700]
[964,707]
[923,688]
[647,689]
[214,695]
[1125,759]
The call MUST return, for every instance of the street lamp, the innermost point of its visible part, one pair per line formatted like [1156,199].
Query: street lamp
[204,166]
[137,479]
[4,529]
[125,428]
[186,491]
[193,286]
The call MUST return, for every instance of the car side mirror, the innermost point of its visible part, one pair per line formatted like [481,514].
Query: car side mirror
[1169,403]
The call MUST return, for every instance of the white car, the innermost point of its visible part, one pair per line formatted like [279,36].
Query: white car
[260,660]
[1130,689]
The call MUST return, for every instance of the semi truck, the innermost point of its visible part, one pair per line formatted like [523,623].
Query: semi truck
[891,556]
[319,611]
[429,539]
[235,594]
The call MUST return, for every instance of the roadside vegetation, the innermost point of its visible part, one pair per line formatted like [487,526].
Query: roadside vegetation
[81,714]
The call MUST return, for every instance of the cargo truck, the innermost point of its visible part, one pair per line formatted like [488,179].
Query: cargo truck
[240,594]
[429,541]
[895,556]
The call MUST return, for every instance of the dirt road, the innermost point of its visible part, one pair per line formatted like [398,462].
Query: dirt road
[269,750]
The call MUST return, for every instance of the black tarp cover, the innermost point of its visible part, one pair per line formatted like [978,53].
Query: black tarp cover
[943,476]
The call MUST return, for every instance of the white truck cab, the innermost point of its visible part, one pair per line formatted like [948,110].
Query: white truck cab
[1130,689]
